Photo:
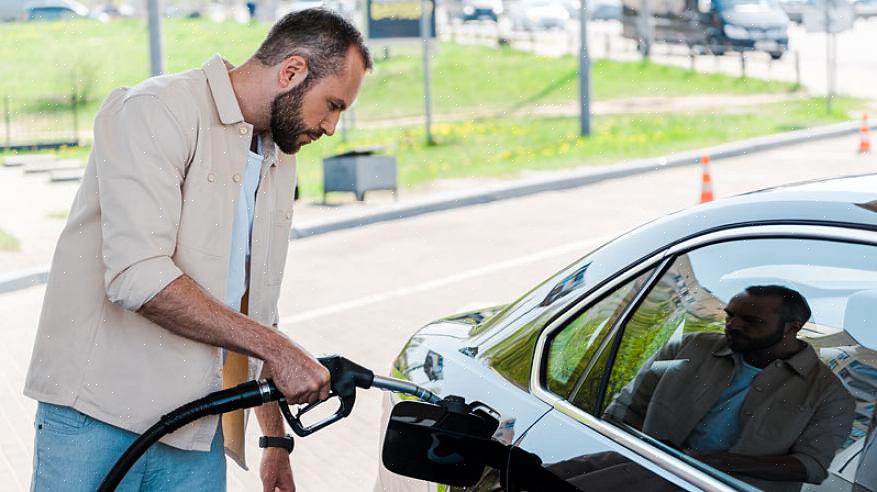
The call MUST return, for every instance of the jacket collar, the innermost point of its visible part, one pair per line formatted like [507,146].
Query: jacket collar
[226,102]
[802,362]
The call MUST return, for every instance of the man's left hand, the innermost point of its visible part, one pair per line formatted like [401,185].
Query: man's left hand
[276,471]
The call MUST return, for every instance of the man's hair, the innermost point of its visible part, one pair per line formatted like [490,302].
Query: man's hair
[795,307]
[320,36]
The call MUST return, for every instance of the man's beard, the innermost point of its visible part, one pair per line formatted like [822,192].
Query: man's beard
[744,344]
[287,124]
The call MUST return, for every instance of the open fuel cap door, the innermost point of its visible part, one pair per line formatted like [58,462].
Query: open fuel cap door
[437,444]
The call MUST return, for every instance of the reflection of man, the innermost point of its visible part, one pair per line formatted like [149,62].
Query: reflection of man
[755,401]
[165,282]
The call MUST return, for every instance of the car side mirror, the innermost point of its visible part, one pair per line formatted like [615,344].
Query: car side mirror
[440,444]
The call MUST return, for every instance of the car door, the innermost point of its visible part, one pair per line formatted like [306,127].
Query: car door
[563,451]
[589,441]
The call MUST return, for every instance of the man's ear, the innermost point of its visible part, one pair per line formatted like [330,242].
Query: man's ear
[292,72]
[795,326]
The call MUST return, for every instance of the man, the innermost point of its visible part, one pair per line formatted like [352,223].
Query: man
[165,281]
[755,401]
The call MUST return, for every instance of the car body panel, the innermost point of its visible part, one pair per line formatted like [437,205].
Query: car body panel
[459,355]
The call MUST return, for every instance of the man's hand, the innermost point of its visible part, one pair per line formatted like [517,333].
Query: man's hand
[297,374]
[276,471]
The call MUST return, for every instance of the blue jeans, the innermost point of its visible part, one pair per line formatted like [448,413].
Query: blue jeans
[73,452]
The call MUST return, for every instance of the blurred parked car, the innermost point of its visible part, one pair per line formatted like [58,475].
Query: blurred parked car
[605,9]
[534,15]
[717,25]
[474,10]
[597,9]
[53,10]
[865,8]
[795,8]
[552,364]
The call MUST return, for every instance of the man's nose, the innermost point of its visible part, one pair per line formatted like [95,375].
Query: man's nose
[329,123]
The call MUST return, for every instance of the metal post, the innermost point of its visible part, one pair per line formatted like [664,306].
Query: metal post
[74,105]
[797,68]
[156,59]
[425,32]
[692,58]
[584,73]
[644,26]
[8,119]
[608,53]
[829,89]
[742,64]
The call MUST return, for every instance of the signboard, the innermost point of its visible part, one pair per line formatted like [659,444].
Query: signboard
[397,18]
[831,16]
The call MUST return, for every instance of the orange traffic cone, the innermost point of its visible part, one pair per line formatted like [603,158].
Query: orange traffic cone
[706,187]
[865,136]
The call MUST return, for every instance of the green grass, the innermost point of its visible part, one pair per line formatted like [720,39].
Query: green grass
[8,242]
[57,215]
[504,147]
[44,63]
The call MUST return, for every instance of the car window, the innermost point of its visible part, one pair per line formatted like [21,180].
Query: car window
[743,349]
[572,350]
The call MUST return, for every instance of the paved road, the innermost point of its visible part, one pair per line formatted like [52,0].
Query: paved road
[362,292]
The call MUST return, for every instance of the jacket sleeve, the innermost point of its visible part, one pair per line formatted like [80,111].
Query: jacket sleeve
[826,432]
[632,402]
[141,153]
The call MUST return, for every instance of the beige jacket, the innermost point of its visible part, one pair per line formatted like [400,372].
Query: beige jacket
[156,201]
[795,407]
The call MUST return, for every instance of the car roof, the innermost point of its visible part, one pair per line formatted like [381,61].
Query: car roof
[849,201]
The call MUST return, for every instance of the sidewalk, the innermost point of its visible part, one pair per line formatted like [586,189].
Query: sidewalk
[35,211]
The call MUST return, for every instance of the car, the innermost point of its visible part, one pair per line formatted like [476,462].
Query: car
[865,9]
[795,8]
[54,10]
[480,10]
[535,15]
[550,365]
[716,25]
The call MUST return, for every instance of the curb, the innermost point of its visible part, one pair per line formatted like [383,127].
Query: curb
[556,182]
[23,279]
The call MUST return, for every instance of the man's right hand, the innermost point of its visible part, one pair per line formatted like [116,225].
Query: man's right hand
[297,374]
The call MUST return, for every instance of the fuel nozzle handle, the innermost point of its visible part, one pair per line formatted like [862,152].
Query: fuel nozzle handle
[346,376]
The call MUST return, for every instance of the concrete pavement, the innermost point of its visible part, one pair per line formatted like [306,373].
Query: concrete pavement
[362,292]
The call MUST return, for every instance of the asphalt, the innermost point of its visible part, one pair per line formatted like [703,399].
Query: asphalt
[313,221]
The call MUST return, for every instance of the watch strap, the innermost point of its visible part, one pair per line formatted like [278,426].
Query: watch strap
[286,442]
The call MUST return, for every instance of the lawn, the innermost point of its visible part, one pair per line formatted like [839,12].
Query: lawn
[506,146]
[44,63]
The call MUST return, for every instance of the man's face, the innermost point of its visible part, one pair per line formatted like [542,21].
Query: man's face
[311,109]
[753,323]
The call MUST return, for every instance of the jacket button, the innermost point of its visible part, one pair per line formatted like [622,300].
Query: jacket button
[211,177]
[243,129]
[747,413]
[759,388]
[236,178]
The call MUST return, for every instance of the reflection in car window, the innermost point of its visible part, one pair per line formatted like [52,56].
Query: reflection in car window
[739,358]
[572,349]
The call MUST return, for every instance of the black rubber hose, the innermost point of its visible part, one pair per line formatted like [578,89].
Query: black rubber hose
[246,395]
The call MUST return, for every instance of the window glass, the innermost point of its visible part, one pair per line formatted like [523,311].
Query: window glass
[747,349]
[571,350]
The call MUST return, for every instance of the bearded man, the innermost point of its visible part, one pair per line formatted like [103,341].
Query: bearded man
[165,280]
[754,401]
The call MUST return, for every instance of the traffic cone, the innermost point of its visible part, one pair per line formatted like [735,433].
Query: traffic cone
[706,187]
[865,136]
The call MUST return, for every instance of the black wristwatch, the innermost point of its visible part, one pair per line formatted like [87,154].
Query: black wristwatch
[286,442]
